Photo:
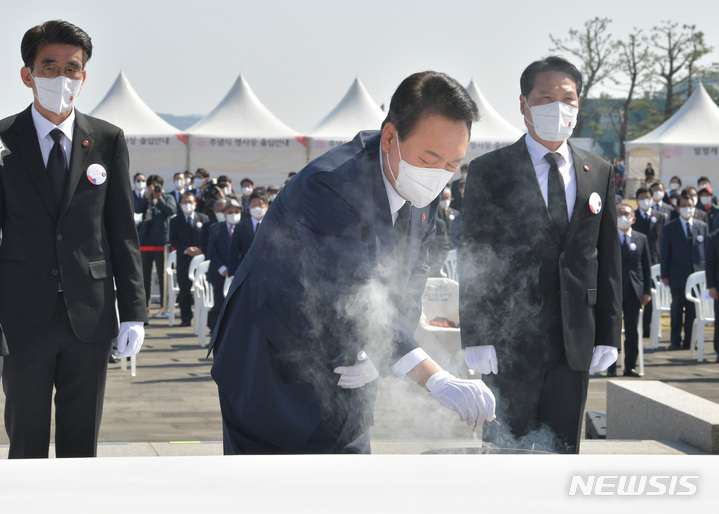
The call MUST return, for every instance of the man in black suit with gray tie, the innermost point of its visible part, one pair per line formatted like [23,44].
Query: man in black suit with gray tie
[66,215]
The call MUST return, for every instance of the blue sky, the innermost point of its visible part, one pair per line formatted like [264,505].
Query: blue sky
[300,57]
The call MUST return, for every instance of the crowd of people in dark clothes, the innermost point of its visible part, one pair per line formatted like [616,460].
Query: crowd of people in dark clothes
[677,228]
[199,215]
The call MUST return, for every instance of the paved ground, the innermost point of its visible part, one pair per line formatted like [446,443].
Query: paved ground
[173,399]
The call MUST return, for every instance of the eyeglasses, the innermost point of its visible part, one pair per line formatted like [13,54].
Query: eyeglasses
[53,70]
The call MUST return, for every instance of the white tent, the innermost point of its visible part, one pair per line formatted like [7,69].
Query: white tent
[242,138]
[687,144]
[155,146]
[354,113]
[492,131]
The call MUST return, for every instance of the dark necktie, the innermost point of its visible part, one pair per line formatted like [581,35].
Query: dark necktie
[230,229]
[556,197]
[401,227]
[689,232]
[57,167]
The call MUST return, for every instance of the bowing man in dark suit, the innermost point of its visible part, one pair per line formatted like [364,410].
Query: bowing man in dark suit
[246,230]
[540,301]
[218,244]
[682,253]
[185,236]
[66,215]
[712,269]
[333,281]
[636,286]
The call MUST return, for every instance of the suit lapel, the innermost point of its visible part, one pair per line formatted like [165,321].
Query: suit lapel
[28,149]
[82,145]
[584,190]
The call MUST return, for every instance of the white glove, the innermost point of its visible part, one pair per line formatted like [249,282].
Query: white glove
[130,338]
[481,358]
[358,375]
[471,399]
[603,357]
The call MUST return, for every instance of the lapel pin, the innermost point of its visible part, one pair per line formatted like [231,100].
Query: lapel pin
[424,217]
[96,174]
[595,203]
[85,143]
[586,168]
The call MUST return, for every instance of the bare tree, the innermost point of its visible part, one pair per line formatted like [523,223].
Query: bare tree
[634,61]
[594,47]
[676,53]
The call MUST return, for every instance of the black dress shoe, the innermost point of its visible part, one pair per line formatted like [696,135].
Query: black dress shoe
[674,347]
[611,372]
[185,324]
[685,346]
[113,359]
[631,373]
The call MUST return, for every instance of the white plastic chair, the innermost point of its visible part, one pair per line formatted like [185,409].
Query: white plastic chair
[204,299]
[449,268]
[192,272]
[172,287]
[661,302]
[697,293]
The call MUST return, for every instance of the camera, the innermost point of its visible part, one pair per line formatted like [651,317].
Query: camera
[157,188]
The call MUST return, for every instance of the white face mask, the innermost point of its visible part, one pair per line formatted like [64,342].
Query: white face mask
[706,200]
[220,216]
[645,204]
[658,196]
[140,185]
[227,191]
[673,186]
[57,94]
[624,222]
[180,184]
[444,204]
[553,122]
[198,183]
[258,212]
[246,191]
[417,185]
[686,212]
[188,182]
[233,219]
[188,208]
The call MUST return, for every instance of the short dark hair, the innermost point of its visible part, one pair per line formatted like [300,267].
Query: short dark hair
[51,33]
[676,178]
[203,172]
[259,194]
[703,179]
[156,179]
[641,191]
[688,188]
[188,194]
[552,63]
[246,179]
[425,93]
[180,173]
[138,174]
[658,185]
[684,194]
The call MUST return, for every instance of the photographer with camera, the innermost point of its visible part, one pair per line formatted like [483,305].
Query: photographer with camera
[156,207]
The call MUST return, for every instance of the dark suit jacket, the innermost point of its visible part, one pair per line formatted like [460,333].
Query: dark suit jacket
[218,245]
[652,228]
[320,282]
[242,239]
[90,241]
[182,235]
[712,259]
[638,266]
[680,257]
[522,288]
[155,231]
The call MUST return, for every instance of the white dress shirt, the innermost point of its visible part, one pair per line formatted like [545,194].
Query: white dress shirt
[43,126]
[566,167]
